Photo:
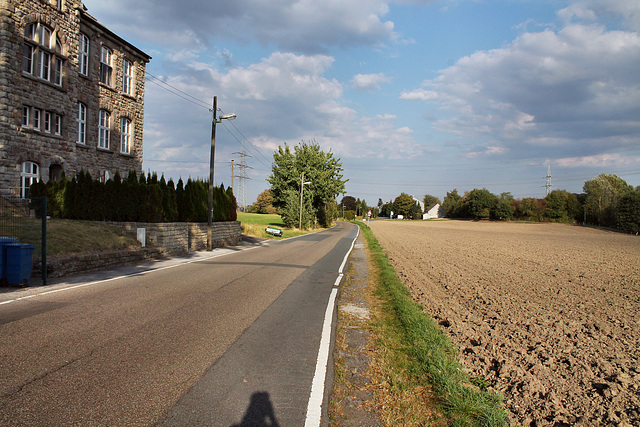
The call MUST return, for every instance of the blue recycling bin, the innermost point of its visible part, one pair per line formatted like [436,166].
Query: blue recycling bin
[3,262]
[18,263]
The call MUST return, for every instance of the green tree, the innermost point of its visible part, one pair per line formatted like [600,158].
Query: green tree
[562,206]
[481,202]
[349,203]
[264,203]
[603,194]
[320,169]
[452,204]
[403,204]
[530,209]
[430,201]
[629,211]
[416,211]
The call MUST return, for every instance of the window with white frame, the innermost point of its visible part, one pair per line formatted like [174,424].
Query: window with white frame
[127,77]
[36,119]
[42,53]
[47,122]
[125,135]
[26,116]
[82,123]
[29,175]
[105,66]
[83,55]
[57,125]
[104,129]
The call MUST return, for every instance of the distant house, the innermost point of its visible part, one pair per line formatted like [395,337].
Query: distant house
[435,211]
[71,95]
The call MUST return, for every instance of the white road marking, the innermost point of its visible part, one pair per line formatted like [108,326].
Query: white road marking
[314,407]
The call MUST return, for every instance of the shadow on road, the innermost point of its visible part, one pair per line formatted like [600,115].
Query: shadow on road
[259,413]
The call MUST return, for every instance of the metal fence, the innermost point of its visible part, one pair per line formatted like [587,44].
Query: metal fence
[25,221]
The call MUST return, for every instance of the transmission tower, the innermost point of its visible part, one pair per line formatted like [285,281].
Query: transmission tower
[241,173]
[548,185]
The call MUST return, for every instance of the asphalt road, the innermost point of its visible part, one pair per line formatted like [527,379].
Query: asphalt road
[230,339]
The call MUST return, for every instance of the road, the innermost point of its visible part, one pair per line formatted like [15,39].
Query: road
[225,340]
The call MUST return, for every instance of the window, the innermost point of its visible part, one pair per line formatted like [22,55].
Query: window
[44,62]
[104,129]
[42,54]
[127,77]
[83,55]
[36,119]
[47,122]
[105,66]
[26,116]
[57,72]
[125,135]
[28,58]
[28,176]
[82,123]
[57,126]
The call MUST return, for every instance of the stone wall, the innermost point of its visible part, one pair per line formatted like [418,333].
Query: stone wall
[67,265]
[184,237]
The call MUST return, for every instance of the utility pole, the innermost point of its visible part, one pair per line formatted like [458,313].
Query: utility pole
[211,163]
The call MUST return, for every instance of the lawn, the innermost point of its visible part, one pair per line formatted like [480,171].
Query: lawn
[255,224]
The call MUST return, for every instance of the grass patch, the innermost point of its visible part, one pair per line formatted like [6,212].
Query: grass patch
[419,357]
[65,236]
[253,224]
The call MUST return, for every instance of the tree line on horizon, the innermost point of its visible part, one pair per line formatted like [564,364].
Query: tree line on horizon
[133,199]
[607,201]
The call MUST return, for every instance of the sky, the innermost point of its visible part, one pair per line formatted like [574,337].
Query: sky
[413,96]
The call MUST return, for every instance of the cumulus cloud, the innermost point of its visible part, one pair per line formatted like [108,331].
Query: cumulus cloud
[302,26]
[574,90]
[368,82]
[596,10]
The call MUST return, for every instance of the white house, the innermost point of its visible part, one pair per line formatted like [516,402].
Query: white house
[435,211]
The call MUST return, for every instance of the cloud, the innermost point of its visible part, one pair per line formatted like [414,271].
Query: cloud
[597,10]
[283,98]
[367,82]
[575,90]
[302,26]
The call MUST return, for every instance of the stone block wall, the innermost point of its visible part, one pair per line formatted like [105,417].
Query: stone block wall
[183,237]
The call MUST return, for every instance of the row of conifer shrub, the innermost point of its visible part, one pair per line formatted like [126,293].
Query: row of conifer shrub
[135,198]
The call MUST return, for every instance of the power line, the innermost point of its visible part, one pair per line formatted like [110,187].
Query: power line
[178,92]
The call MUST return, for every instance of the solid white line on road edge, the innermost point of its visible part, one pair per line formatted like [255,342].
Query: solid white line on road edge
[140,273]
[314,407]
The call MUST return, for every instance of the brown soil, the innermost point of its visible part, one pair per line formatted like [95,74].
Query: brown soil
[548,314]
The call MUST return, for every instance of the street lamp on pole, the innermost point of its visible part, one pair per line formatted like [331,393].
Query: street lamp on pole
[302,184]
[211,163]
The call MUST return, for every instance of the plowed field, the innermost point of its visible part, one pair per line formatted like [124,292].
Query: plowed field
[547,314]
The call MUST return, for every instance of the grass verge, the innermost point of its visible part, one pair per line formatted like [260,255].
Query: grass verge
[422,354]
[255,224]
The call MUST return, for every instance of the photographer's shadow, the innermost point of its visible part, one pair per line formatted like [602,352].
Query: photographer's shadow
[259,413]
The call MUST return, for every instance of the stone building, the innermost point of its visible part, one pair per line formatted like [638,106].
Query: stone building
[71,95]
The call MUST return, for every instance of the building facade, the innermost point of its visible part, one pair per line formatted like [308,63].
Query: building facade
[71,95]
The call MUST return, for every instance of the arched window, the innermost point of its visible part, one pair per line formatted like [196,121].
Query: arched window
[42,53]
[29,175]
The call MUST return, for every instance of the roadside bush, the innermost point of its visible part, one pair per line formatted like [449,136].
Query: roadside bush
[144,199]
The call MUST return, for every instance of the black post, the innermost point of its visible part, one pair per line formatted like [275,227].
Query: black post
[44,241]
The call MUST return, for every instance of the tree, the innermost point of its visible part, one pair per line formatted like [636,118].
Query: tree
[603,194]
[416,211]
[320,169]
[264,203]
[430,201]
[403,204]
[562,206]
[503,210]
[629,211]
[349,203]
[530,209]
[452,204]
[481,202]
